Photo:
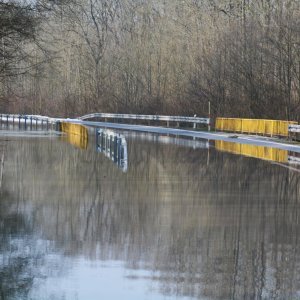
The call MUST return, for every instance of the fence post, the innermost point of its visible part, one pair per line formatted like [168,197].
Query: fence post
[209,116]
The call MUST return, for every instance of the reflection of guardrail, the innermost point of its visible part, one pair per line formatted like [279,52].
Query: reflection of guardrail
[294,160]
[114,146]
[256,126]
[192,143]
[261,152]
[294,128]
[77,134]
[195,120]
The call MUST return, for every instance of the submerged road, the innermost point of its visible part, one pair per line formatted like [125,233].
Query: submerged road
[228,137]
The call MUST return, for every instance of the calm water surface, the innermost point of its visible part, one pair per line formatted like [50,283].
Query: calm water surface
[181,223]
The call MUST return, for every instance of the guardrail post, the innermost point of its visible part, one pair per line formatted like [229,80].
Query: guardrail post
[209,118]
[7,120]
[19,121]
[115,148]
[30,123]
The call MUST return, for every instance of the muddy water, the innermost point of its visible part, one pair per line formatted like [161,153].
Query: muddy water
[182,222]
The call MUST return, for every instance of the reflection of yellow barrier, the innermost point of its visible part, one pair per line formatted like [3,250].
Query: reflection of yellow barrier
[269,127]
[77,134]
[260,152]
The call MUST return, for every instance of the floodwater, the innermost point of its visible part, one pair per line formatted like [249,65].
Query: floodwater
[184,220]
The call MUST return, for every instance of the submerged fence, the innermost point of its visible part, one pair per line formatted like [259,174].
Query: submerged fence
[256,126]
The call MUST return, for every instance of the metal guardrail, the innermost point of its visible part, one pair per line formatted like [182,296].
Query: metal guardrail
[27,120]
[195,120]
[12,117]
[294,128]
[255,126]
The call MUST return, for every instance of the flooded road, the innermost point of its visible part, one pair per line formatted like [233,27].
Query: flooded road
[185,221]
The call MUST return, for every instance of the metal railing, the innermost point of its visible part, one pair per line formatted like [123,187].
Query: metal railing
[195,120]
[27,120]
[255,126]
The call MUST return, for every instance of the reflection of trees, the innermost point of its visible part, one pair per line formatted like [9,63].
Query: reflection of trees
[15,280]
[225,230]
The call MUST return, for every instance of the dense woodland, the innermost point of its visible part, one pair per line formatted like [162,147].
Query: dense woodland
[70,57]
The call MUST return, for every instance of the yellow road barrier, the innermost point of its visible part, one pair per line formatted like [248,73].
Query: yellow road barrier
[261,152]
[77,134]
[257,126]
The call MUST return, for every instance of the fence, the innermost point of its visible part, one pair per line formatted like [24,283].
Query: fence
[256,126]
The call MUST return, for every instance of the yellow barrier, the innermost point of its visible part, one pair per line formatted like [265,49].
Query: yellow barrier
[257,126]
[261,152]
[77,134]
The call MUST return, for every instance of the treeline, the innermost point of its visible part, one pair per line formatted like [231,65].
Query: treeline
[153,56]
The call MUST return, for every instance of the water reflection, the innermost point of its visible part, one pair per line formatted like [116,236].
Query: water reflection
[165,139]
[114,146]
[224,230]
[260,152]
[75,134]
[78,141]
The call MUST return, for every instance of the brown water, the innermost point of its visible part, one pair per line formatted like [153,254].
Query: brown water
[181,223]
